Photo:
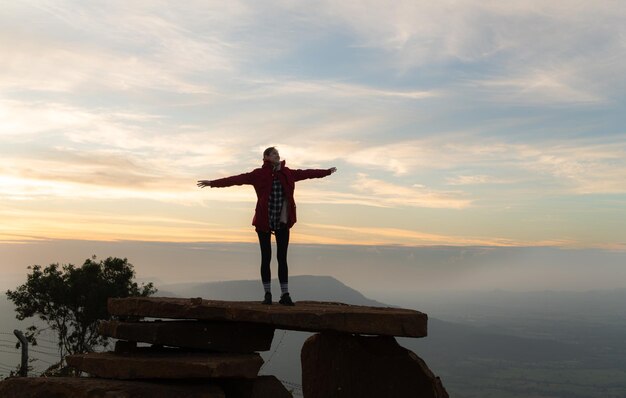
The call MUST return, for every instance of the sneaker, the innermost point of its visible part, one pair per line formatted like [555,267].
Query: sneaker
[268,298]
[285,299]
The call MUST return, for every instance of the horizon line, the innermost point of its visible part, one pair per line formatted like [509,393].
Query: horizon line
[520,245]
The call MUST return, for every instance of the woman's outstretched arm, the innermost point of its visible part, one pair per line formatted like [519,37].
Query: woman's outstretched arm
[241,179]
[300,174]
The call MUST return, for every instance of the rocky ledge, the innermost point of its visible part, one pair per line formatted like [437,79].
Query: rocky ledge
[166,363]
[209,348]
[89,387]
[310,316]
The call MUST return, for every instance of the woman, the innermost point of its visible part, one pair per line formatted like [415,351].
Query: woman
[275,211]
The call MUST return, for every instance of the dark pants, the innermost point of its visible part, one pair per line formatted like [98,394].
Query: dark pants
[282,243]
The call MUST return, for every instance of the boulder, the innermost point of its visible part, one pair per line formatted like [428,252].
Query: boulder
[261,387]
[87,387]
[311,316]
[217,336]
[344,365]
[125,347]
[166,363]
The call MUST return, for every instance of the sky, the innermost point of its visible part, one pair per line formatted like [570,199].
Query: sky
[461,123]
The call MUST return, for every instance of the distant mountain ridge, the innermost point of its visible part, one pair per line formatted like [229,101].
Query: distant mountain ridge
[301,287]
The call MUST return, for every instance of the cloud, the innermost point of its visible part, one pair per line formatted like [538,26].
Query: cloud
[433,152]
[417,103]
[331,89]
[109,47]
[526,52]
[28,225]
[386,193]
[67,68]
[421,32]
[540,87]
[476,179]
[80,131]
[132,152]
[31,120]
[586,167]
[578,166]
[537,51]
[340,234]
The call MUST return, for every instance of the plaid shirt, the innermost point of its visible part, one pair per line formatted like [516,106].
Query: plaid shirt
[276,204]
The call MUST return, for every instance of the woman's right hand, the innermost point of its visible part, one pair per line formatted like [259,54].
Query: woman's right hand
[204,183]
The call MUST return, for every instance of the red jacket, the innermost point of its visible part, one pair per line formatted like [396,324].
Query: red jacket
[261,179]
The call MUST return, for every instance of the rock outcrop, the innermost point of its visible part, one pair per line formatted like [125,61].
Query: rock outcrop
[211,347]
[166,363]
[309,316]
[89,387]
[215,336]
[261,387]
[341,365]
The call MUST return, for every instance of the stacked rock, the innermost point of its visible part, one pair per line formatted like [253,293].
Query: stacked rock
[353,354]
[211,358]
[209,348]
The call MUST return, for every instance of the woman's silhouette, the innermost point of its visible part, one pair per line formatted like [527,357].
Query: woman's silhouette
[275,211]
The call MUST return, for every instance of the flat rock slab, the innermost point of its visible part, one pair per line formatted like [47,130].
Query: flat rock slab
[217,336]
[149,363]
[309,316]
[88,387]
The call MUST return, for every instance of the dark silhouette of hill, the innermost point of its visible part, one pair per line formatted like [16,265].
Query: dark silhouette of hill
[302,287]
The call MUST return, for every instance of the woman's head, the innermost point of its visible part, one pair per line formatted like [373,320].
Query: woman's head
[272,155]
